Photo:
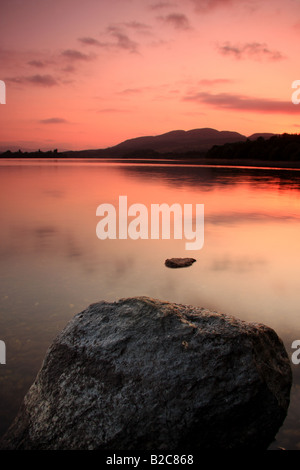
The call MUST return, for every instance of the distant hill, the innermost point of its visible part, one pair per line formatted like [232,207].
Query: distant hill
[180,141]
[278,148]
[174,142]
[208,146]
[265,135]
[192,143]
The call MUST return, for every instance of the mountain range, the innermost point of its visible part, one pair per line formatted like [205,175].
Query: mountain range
[183,141]
[178,142]
[174,142]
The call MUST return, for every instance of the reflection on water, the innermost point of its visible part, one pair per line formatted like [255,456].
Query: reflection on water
[208,177]
[53,265]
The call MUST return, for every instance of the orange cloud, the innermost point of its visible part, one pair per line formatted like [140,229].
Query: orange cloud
[87,41]
[243,103]
[40,80]
[74,55]
[123,41]
[177,20]
[161,5]
[53,120]
[251,50]
[36,63]
[208,5]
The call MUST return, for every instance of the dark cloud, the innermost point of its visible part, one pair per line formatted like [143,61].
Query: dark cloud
[117,37]
[208,5]
[53,120]
[87,41]
[214,81]
[161,5]
[177,20]
[130,91]
[40,80]
[112,110]
[43,80]
[243,103]
[140,27]
[123,41]
[143,89]
[69,69]
[251,50]
[36,63]
[74,55]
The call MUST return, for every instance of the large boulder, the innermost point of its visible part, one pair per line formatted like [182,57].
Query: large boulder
[143,374]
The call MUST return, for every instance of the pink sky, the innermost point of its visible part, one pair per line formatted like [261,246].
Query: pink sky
[90,74]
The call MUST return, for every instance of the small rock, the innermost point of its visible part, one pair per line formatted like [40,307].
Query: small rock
[179,262]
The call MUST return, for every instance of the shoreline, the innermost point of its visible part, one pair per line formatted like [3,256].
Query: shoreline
[205,162]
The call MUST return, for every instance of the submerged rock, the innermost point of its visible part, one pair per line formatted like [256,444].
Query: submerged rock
[179,262]
[143,374]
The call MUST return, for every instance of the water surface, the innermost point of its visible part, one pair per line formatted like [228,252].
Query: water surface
[53,265]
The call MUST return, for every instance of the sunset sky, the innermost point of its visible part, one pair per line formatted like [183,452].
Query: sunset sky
[90,74]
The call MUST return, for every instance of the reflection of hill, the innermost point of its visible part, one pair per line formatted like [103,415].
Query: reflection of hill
[207,178]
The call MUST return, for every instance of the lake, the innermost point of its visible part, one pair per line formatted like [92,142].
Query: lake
[53,265]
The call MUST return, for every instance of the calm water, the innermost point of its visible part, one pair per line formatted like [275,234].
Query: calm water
[53,265]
